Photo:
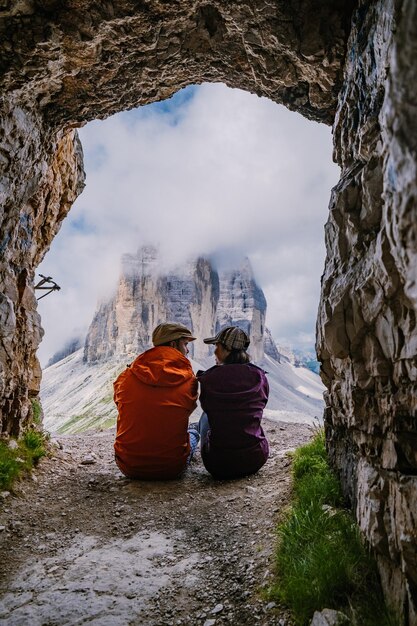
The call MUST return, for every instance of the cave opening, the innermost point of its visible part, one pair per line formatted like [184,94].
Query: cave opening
[213,172]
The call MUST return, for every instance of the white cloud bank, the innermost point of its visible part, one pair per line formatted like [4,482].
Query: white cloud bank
[220,172]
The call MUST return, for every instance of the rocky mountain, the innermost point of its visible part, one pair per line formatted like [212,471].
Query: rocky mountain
[70,347]
[194,294]
[78,396]
[300,358]
[77,391]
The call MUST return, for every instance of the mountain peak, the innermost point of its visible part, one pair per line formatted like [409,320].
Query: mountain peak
[194,294]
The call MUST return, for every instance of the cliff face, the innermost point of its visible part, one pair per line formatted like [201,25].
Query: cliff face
[194,295]
[367,333]
[242,303]
[26,231]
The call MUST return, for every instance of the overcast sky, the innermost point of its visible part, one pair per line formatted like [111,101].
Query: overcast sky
[213,171]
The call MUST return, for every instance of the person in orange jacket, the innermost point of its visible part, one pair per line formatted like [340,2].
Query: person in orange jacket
[155,396]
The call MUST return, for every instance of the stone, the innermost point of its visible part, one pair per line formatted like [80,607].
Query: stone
[88,460]
[329,617]
[217,609]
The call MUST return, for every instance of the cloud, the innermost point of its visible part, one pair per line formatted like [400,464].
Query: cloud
[213,171]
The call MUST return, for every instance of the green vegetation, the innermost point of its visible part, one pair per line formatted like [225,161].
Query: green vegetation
[20,456]
[321,559]
[34,445]
[107,399]
[36,411]
[68,426]
[87,421]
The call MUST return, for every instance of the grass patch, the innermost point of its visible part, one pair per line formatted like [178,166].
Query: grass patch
[321,559]
[108,423]
[107,399]
[87,421]
[18,457]
[33,445]
[36,411]
[67,427]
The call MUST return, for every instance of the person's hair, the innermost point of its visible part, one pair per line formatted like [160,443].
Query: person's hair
[176,341]
[236,357]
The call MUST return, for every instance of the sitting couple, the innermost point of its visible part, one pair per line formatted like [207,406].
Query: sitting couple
[157,393]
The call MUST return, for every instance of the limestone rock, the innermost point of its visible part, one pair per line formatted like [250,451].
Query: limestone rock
[329,617]
[270,347]
[195,295]
[242,303]
[90,59]
[367,330]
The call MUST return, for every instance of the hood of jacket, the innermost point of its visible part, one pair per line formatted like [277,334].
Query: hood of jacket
[162,366]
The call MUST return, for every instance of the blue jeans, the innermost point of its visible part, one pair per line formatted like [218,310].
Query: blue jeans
[194,439]
[203,428]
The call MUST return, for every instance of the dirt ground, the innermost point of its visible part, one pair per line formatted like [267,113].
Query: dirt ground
[81,544]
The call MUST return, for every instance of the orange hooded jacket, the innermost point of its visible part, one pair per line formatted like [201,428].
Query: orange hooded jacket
[155,395]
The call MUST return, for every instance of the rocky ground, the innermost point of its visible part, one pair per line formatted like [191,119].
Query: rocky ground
[81,544]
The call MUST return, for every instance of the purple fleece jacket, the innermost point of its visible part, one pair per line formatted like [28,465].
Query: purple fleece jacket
[234,396]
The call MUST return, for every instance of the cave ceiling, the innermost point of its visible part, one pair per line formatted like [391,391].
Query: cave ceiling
[80,60]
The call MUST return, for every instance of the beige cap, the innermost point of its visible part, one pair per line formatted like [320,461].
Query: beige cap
[232,337]
[164,333]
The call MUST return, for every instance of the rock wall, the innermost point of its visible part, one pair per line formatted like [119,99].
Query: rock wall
[39,182]
[194,294]
[82,60]
[367,339]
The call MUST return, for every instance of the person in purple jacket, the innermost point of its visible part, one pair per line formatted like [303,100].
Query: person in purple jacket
[233,396]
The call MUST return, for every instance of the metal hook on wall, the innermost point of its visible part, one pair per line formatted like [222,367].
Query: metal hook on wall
[48,284]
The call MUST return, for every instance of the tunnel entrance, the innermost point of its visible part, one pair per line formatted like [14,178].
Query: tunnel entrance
[213,173]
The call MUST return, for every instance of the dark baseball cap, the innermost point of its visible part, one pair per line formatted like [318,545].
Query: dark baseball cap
[232,337]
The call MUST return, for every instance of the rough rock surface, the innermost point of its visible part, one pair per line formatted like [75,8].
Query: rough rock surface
[44,197]
[194,294]
[329,617]
[62,64]
[84,60]
[367,333]
[84,545]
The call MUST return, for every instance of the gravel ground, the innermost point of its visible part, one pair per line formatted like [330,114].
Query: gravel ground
[81,544]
